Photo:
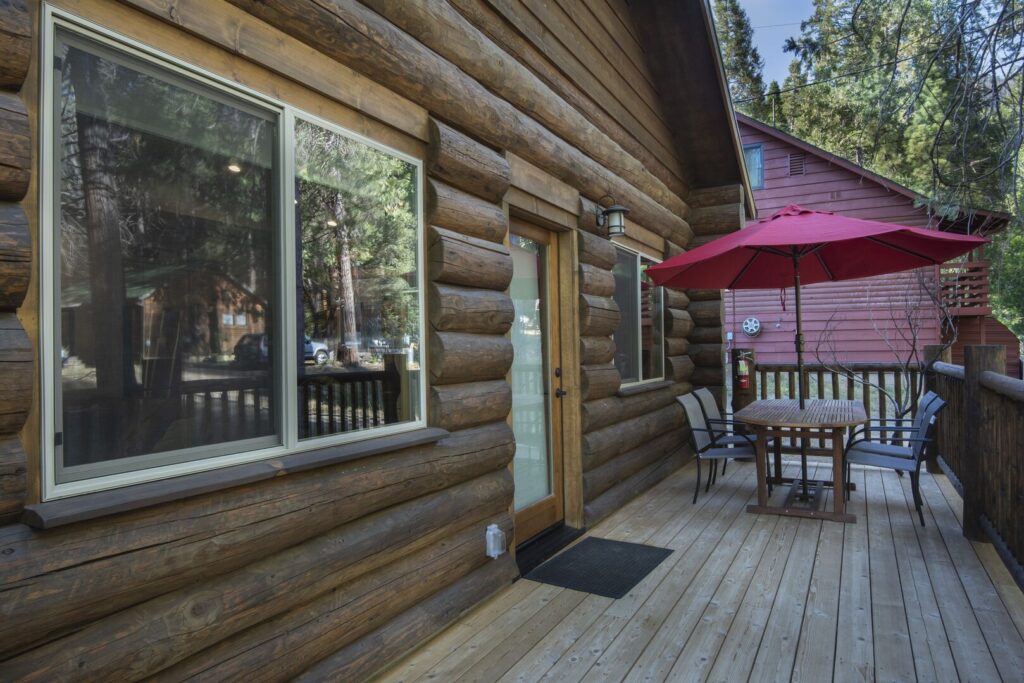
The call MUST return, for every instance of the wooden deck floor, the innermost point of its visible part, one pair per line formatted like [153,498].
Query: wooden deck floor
[759,598]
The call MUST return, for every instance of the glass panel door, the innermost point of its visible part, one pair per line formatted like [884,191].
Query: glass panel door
[537,465]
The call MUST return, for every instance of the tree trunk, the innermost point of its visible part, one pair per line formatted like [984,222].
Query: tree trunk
[344,288]
[103,219]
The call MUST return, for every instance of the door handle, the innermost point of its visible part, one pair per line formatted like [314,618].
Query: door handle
[559,393]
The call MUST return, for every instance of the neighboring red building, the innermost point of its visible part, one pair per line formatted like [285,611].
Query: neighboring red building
[859,320]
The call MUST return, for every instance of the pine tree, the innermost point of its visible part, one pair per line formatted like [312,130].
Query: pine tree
[773,107]
[743,63]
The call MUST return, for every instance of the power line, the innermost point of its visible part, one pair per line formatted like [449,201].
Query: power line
[795,23]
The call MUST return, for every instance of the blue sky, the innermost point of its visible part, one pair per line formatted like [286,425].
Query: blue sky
[766,17]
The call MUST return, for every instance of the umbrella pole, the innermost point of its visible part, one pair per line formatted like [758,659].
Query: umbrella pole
[800,388]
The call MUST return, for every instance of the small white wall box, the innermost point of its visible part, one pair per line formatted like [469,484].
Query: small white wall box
[495,542]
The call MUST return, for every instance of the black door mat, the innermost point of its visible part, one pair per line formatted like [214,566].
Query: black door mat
[538,549]
[600,566]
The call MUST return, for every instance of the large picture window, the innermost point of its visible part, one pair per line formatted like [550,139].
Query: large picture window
[181,297]
[639,346]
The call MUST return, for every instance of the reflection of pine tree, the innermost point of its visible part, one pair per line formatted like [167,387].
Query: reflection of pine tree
[102,224]
[358,244]
[148,199]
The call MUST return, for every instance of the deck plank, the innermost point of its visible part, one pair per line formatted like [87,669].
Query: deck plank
[725,502]
[966,641]
[1000,633]
[1011,594]
[815,652]
[758,598]
[933,660]
[893,653]
[544,654]
[513,647]
[854,652]
[657,635]
[775,655]
[731,625]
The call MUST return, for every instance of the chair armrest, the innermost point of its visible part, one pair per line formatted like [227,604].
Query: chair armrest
[850,444]
[889,428]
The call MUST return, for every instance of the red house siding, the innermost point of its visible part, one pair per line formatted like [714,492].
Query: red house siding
[857,320]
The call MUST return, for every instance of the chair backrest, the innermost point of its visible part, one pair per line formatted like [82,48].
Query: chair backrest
[927,432]
[695,418]
[711,411]
[923,404]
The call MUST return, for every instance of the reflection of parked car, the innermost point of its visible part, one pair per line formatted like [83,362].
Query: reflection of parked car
[253,348]
[317,352]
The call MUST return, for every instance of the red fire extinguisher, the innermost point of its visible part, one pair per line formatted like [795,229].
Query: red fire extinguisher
[743,373]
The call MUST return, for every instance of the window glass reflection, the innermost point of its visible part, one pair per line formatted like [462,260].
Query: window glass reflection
[357,284]
[166,231]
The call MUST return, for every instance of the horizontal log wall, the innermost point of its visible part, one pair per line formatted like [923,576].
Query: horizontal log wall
[629,442]
[16,353]
[716,212]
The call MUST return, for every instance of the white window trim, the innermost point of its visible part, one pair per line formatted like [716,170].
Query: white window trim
[639,254]
[758,146]
[286,373]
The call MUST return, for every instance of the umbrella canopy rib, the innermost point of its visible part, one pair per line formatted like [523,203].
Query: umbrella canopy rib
[909,252]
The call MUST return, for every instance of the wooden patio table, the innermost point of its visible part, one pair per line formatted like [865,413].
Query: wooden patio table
[821,419]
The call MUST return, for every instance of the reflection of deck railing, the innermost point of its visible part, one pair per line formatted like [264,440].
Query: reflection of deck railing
[332,402]
[202,412]
[965,288]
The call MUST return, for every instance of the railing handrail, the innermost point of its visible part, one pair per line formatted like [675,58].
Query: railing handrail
[1003,385]
[948,369]
[856,366]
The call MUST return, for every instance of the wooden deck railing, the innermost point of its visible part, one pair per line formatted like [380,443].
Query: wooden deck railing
[947,381]
[886,389]
[965,288]
[980,445]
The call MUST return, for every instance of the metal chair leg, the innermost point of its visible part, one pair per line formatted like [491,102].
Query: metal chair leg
[915,486]
[697,490]
[724,463]
[711,474]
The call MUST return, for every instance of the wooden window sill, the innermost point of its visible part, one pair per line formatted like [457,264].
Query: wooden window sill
[634,389]
[55,513]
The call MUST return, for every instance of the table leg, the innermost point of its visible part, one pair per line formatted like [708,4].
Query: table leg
[778,460]
[761,459]
[838,474]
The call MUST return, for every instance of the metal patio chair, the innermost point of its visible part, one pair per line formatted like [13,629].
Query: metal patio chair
[919,434]
[725,431]
[708,442]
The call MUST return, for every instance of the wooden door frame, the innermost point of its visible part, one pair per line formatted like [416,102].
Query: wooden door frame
[562,287]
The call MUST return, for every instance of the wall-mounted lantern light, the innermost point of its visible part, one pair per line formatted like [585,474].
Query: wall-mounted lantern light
[614,217]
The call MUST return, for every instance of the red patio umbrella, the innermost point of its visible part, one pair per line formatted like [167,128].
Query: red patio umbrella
[802,246]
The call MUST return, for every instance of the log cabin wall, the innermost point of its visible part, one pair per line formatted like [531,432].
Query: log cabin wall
[632,436]
[325,565]
[15,253]
[715,212]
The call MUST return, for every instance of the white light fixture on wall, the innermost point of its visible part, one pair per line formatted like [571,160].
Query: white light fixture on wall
[613,217]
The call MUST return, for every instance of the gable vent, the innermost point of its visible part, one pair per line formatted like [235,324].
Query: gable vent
[796,164]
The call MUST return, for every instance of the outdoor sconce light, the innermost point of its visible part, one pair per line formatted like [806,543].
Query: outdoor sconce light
[614,217]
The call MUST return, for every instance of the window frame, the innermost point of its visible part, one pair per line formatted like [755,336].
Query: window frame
[760,147]
[638,256]
[285,441]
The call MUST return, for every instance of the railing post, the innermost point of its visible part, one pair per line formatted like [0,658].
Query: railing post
[977,420]
[934,353]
